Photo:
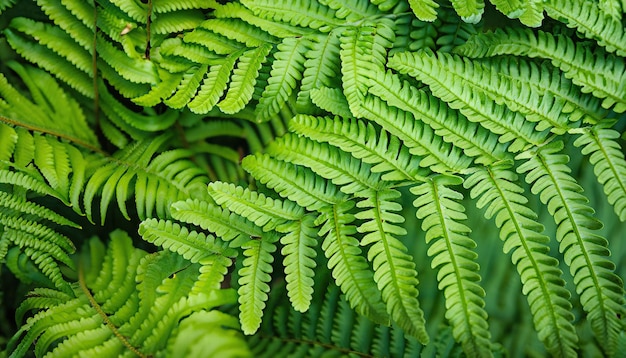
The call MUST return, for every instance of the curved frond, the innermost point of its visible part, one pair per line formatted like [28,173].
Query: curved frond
[349,268]
[607,157]
[446,122]
[394,267]
[254,277]
[586,17]
[596,71]
[586,253]
[116,316]
[287,69]
[541,277]
[451,251]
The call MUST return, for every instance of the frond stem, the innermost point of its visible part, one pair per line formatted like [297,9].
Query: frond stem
[105,318]
[77,141]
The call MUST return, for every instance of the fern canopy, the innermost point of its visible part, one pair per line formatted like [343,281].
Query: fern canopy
[312,178]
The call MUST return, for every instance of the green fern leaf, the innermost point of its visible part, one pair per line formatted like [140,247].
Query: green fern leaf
[277,29]
[226,225]
[263,211]
[239,31]
[586,17]
[437,155]
[548,298]
[382,150]
[302,13]
[425,10]
[363,52]
[607,157]
[451,249]
[243,80]
[513,9]
[546,110]
[452,126]
[253,282]
[470,11]
[214,84]
[331,100]
[586,253]
[287,69]
[148,173]
[321,68]
[394,268]
[349,269]
[298,184]
[191,245]
[299,260]
[341,168]
[595,71]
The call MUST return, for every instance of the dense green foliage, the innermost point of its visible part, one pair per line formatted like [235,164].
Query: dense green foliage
[312,178]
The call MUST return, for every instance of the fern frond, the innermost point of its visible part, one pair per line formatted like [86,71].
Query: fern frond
[238,11]
[299,260]
[321,68]
[446,122]
[226,225]
[586,17]
[139,166]
[109,311]
[297,183]
[329,327]
[394,269]
[586,253]
[287,69]
[263,211]
[191,245]
[520,231]
[436,154]
[594,70]
[451,249]
[254,277]
[214,84]
[363,52]
[470,11]
[243,79]
[431,69]
[353,175]
[425,10]
[380,149]
[607,157]
[302,13]
[349,269]
[331,100]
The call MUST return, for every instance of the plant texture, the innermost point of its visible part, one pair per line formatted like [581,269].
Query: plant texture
[377,178]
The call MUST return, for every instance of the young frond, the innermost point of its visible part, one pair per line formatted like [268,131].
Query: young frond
[586,253]
[452,254]
[304,13]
